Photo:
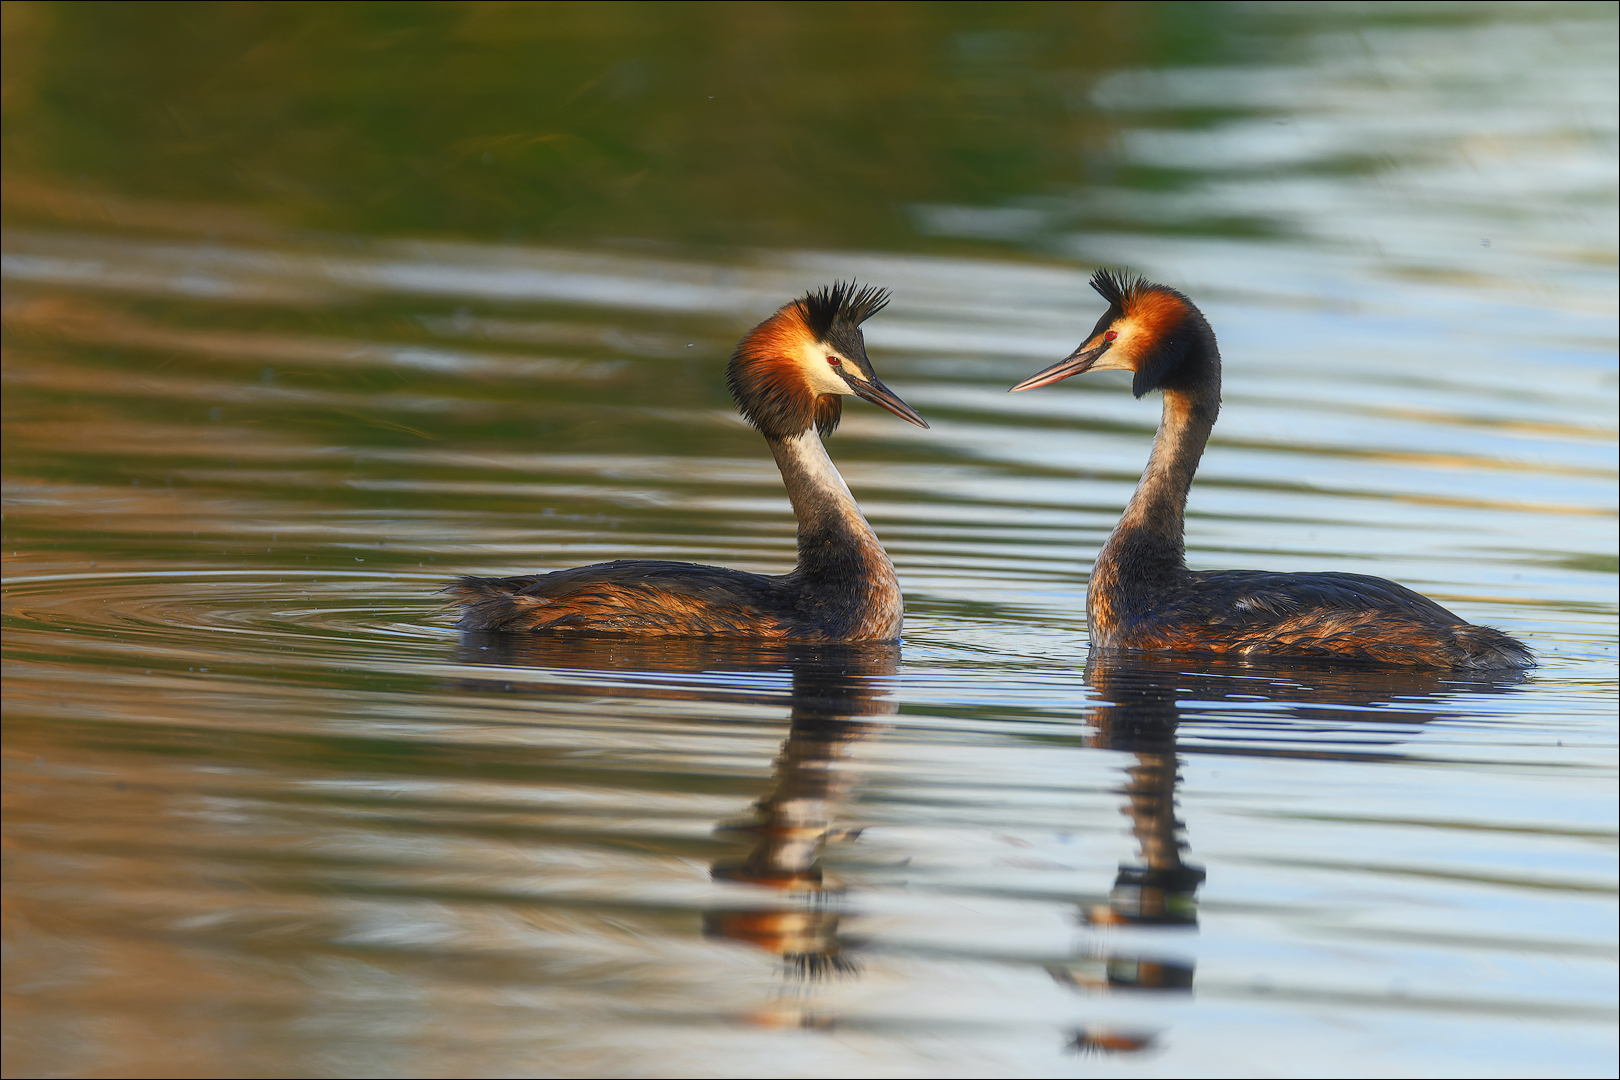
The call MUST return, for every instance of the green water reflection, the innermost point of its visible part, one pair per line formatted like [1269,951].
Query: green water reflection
[731,123]
[757,124]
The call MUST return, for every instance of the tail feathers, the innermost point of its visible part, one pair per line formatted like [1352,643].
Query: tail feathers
[583,602]
[1486,647]
[496,604]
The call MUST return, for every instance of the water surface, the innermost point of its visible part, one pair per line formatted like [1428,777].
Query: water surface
[267,813]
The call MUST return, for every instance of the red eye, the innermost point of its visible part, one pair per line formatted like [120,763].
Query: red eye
[1110,336]
[834,361]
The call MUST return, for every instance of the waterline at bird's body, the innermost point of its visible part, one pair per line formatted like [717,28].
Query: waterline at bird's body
[788,375]
[1143,596]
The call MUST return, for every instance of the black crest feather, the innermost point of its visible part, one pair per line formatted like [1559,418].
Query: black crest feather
[841,306]
[1118,287]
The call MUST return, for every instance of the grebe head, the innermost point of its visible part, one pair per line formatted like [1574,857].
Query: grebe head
[793,369]
[1150,330]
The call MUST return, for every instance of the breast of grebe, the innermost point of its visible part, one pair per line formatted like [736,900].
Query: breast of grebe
[1142,596]
[789,376]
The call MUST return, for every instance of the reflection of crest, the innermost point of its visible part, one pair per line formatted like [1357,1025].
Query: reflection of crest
[831,686]
[1143,699]
[1095,1039]
[794,822]
[783,903]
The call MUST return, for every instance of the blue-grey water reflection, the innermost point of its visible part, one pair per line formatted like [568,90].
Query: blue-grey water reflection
[291,341]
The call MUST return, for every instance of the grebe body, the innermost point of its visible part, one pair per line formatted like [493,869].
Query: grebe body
[789,376]
[1143,596]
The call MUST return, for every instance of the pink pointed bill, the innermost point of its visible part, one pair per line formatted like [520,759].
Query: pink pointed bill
[878,394]
[1074,364]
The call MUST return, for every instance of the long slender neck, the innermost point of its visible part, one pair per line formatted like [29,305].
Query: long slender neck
[1150,534]
[834,536]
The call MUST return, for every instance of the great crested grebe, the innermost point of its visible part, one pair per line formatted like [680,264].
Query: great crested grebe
[1142,596]
[788,376]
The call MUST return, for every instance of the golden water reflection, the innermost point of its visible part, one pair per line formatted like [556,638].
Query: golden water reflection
[839,695]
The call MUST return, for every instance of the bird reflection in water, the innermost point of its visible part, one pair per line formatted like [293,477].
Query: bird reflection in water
[1137,715]
[1136,943]
[835,688]
[1143,700]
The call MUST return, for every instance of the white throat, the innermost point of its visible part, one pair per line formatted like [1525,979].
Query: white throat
[807,457]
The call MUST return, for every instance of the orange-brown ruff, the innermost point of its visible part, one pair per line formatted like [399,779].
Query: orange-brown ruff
[788,377]
[1142,596]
